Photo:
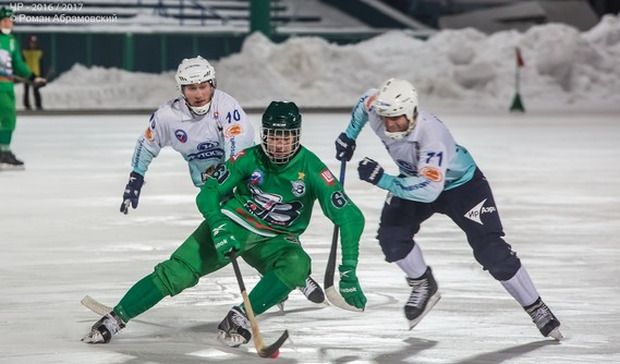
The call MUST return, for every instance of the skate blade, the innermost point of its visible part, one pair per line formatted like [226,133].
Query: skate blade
[232,340]
[429,306]
[556,334]
[94,337]
[10,167]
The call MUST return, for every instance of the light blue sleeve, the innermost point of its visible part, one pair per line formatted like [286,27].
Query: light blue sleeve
[411,188]
[359,115]
[146,148]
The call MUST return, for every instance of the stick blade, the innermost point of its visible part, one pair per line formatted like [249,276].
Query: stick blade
[268,351]
[337,300]
[95,306]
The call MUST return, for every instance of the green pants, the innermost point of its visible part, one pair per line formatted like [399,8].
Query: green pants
[281,260]
[7,116]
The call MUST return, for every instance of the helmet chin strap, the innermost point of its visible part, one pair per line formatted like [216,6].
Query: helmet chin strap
[199,110]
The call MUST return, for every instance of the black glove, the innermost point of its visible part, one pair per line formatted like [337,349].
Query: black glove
[132,192]
[370,171]
[345,147]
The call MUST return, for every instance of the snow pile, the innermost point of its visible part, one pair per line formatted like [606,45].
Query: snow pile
[456,68]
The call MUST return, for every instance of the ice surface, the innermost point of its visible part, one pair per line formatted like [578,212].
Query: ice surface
[555,178]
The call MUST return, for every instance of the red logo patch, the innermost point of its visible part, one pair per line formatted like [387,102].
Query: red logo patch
[432,174]
[237,156]
[328,177]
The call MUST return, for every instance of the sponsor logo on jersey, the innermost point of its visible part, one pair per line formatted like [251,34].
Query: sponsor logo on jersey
[271,207]
[233,130]
[431,173]
[299,188]
[476,212]
[256,178]
[369,101]
[181,135]
[234,158]
[328,177]
[407,167]
[207,150]
[148,134]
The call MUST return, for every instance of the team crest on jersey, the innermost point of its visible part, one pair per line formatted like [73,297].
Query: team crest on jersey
[299,188]
[257,177]
[431,173]
[233,130]
[181,135]
[328,177]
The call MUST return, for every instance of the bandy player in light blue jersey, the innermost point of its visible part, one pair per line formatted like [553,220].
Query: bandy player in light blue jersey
[436,175]
[206,126]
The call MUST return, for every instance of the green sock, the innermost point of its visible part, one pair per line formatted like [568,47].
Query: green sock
[268,292]
[141,297]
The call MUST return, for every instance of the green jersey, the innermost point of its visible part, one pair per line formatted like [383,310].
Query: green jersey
[272,199]
[11,62]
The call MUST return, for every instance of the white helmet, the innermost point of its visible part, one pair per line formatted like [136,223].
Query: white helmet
[192,71]
[397,97]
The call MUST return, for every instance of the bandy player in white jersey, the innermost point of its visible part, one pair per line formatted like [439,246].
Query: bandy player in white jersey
[436,175]
[206,126]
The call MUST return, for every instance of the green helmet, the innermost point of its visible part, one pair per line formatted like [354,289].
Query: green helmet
[6,12]
[281,131]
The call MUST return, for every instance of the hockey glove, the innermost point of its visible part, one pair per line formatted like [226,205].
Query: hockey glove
[345,147]
[350,288]
[223,239]
[132,192]
[370,171]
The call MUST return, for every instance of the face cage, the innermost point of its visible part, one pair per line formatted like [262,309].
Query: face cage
[274,135]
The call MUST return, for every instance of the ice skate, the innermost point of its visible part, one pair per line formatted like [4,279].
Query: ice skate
[544,319]
[102,330]
[8,162]
[424,295]
[234,330]
[313,291]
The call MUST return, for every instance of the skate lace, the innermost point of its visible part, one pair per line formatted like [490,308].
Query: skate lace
[541,315]
[112,324]
[419,292]
[310,287]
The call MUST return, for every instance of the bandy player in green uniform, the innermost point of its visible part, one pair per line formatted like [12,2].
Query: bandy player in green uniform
[274,186]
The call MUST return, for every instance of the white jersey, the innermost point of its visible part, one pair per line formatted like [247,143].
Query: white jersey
[204,141]
[429,160]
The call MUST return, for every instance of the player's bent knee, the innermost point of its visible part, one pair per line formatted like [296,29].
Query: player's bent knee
[294,267]
[501,262]
[173,276]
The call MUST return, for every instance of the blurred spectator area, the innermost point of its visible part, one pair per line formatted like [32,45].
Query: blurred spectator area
[494,15]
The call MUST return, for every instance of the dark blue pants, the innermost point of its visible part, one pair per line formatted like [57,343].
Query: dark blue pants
[401,219]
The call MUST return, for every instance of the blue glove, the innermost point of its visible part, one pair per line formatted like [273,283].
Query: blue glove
[132,192]
[345,147]
[223,239]
[370,171]
[350,288]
